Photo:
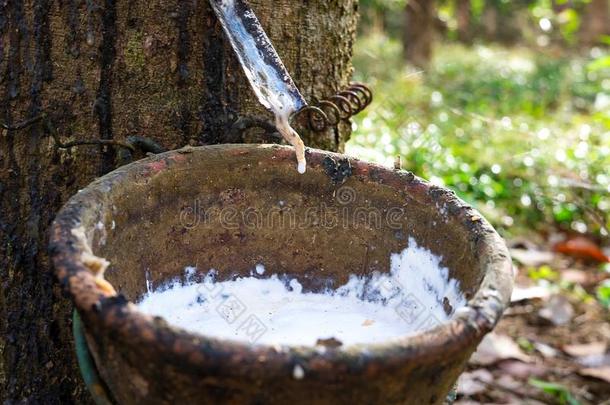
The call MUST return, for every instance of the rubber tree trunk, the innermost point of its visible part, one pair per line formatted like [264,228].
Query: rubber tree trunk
[419,32]
[595,22]
[108,69]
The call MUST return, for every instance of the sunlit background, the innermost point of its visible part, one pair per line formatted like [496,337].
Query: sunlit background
[512,111]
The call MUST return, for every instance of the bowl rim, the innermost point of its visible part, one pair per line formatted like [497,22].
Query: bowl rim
[127,325]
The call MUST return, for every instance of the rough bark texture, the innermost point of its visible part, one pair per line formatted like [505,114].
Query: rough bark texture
[108,69]
[419,31]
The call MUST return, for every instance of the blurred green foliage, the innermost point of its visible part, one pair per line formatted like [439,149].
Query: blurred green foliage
[563,14]
[531,20]
[521,134]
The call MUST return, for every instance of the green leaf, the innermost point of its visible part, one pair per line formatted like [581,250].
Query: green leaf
[603,294]
[543,273]
[560,392]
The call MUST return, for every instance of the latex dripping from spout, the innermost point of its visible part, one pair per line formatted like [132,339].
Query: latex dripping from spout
[291,136]
[265,71]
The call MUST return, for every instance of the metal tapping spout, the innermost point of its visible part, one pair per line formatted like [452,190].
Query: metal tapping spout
[265,71]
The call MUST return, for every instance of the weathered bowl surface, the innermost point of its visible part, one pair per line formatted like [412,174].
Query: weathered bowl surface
[229,207]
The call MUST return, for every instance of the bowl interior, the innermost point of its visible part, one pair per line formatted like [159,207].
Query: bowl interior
[230,209]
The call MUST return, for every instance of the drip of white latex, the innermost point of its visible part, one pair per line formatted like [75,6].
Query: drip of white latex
[267,75]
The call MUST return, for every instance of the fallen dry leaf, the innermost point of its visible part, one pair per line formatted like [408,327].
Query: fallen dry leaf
[575,276]
[588,349]
[473,382]
[531,258]
[529,293]
[601,373]
[546,350]
[594,360]
[495,347]
[368,322]
[582,248]
[584,278]
[558,310]
[509,383]
[522,370]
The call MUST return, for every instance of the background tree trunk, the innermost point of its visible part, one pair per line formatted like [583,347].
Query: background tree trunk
[108,69]
[595,22]
[463,16]
[419,31]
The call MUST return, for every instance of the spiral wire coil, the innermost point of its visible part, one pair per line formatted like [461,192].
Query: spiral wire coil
[342,106]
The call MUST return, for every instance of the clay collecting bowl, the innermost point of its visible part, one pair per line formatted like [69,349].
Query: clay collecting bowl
[153,217]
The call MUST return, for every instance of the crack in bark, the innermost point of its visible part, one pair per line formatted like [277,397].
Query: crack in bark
[103,104]
[212,110]
[184,45]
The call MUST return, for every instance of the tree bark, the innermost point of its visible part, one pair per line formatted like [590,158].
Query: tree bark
[108,69]
[595,22]
[419,32]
